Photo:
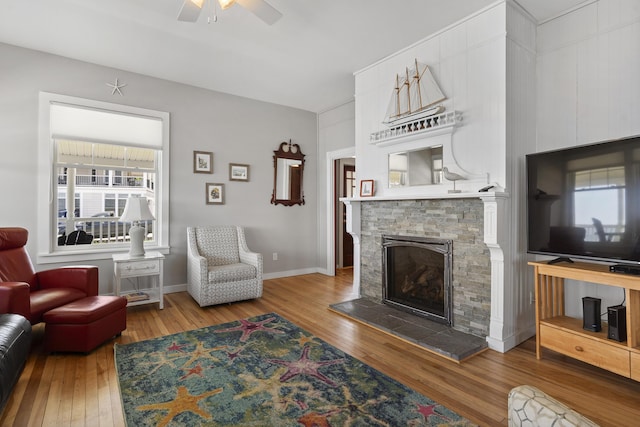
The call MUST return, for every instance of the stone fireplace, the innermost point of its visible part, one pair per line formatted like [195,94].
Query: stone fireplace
[476,224]
[456,219]
[417,276]
[454,273]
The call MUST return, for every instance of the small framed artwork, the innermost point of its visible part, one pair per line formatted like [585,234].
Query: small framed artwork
[202,162]
[215,193]
[238,172]
[366,188]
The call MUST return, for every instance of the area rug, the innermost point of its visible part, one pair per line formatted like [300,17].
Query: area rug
[262,371]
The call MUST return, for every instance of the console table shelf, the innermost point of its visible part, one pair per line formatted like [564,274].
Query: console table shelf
[563,334]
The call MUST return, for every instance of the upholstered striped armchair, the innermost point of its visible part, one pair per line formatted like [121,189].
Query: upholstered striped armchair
[220,267]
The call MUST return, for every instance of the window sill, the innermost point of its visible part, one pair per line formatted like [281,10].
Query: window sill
[93,255]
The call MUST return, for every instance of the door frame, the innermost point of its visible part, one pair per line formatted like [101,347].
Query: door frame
[332,156]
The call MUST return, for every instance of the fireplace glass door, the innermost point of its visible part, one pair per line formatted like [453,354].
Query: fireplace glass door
[417,273]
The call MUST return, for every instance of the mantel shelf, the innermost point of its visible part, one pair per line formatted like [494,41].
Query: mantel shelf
[420,127]
[436,196]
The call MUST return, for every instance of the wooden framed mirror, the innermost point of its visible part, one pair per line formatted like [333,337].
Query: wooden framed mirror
[288,170]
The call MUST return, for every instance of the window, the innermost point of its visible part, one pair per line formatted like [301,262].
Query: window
[62,204]
[349,181]
[88,169]
[99,154]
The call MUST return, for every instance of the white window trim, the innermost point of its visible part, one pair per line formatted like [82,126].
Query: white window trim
[47,198]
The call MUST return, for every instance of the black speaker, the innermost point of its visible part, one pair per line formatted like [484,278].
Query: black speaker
[617,317]
[591,314]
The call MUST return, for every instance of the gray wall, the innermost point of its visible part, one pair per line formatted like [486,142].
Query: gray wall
[235,129]
[336,131]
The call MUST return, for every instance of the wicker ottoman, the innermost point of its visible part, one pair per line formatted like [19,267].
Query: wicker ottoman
[83,325]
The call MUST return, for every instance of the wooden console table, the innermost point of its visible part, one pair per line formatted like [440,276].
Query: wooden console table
[565,335]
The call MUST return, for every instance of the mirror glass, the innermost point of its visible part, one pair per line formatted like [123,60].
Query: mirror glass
[419,167]
[288,163]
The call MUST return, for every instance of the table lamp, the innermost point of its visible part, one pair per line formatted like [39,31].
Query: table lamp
[136,210]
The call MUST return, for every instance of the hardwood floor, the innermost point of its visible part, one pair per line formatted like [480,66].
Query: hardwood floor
[70,389]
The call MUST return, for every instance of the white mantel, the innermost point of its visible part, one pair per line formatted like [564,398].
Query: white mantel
[422,196]
[495,218]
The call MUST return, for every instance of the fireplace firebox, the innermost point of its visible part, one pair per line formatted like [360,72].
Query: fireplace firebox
[417,276]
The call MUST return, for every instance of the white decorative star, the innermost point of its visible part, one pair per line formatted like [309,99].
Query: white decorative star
[116,87]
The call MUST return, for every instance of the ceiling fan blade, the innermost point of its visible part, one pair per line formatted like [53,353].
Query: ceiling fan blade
[262,10]
[190,10]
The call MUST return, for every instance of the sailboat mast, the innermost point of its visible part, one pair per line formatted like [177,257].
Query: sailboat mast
[397,96]
[417,77]
[406,82]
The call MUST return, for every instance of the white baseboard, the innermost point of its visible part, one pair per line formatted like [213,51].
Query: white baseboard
[174,288]
[511,342]
[290,273]
[183,287]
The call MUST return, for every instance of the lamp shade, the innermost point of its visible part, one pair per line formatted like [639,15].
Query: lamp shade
[136,209]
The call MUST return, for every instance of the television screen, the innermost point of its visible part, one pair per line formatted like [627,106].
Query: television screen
[584,202]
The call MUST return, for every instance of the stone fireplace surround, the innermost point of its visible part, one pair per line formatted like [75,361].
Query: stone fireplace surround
[469,219]
[459,220]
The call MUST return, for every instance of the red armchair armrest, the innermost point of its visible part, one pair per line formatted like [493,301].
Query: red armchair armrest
[14,298]
[81,277]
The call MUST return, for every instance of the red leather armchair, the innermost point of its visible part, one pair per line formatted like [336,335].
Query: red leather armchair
[30,293]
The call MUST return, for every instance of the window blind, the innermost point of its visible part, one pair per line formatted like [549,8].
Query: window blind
[88,124]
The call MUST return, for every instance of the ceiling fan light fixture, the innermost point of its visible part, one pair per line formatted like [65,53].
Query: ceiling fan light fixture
[190,10]
[225,4]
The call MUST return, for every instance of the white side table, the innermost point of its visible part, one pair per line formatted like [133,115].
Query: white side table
[150,265]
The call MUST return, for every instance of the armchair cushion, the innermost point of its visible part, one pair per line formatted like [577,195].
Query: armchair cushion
[231,273]
[219,245]
[531,407]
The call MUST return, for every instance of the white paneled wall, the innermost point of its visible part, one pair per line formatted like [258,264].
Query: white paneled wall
[588,68]
[556,99]
[589,90]
[521,137]
[468,61]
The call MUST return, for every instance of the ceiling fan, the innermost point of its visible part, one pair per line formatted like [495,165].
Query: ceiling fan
[191,9]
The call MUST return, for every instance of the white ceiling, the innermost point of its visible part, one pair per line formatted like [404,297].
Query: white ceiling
[305,60]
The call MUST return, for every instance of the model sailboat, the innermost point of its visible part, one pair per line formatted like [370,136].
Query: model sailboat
[415,96]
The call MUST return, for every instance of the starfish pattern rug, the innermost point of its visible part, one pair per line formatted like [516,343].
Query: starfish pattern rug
[262,371]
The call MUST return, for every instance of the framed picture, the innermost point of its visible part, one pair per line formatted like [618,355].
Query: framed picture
[215,193]
[366,188]
[202,162]
[238,172]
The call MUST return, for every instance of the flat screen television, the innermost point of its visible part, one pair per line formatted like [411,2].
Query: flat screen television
[584,202]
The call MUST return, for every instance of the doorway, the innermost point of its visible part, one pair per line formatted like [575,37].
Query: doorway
[333,226]
[345,184]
